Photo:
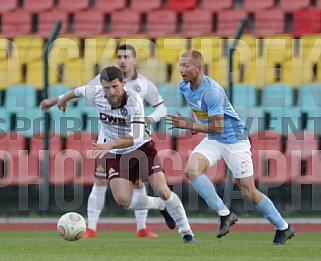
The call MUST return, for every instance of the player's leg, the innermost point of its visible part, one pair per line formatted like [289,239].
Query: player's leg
[141,215]
[238,158]
[173,205]
[96,199]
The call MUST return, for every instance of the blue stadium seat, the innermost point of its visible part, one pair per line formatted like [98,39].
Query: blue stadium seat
[29,121]
[244,96]
[253,118]
[171,95]
[313,119]
[56,90]
[284,119]
[309,96]
[20,97]
[4,120]
[277,95]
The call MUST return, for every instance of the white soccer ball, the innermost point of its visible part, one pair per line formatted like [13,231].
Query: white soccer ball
[71,226]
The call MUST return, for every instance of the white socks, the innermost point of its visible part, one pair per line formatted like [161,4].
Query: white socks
[95,205]
[175,208]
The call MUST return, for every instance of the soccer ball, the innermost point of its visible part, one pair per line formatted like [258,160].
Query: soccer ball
[71,226]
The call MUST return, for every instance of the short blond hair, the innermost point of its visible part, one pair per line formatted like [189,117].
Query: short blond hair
[195,55]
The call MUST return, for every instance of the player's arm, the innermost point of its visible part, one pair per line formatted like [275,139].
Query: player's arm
[215,124]
[154,99]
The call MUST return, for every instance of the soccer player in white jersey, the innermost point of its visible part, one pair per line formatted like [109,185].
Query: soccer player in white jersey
[226,139]
[128,153]
[126,59]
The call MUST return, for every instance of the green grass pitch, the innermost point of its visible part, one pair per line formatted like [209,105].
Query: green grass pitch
[49,246]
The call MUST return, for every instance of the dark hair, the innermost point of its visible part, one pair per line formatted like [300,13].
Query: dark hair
[127,47]
[111,73]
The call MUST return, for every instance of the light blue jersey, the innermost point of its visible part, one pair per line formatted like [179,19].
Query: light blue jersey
[209,99]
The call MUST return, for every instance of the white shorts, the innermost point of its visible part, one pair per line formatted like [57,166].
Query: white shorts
[237,156]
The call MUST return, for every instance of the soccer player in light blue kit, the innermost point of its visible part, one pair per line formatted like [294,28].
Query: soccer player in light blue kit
[226,138]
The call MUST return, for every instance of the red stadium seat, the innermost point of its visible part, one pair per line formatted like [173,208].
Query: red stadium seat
[216,5]
[306,22]
[47,19]
[168,26]
[293,5]
[268,22]
[229,21]
[313,171]
[38,5]
[6,5]
[88,23]
[303,141]
[82,143]
[254,5]
[181,5]
[197,22]
[74,5]
[16,23]
[110,5]
[123,23]
[143,5]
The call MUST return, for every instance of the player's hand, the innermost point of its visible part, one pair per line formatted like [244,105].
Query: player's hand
[100,150]
[46,104]
[177,121]
[62,105]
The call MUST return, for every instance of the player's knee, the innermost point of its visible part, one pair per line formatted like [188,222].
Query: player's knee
[165,193]
[122,201]
[191,173]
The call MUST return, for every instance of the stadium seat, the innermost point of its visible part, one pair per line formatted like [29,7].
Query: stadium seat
[16,161]
[229,21]
[77,73]
[7,5]
[29,48]
[110,5]
[216,5]
[20,97]
[154,70]
[181,5]
[262,142]
[313,119]
[92,119]
[294,5]
[172,96]
[29,121]
[88,23]
[253,118]
[155,28]
[244,96]
[124,23]
[73,6]
[268,22]
[47,19]
[5,122]
[65,123]
[64,49]
[82,143]
[143,6]
[303,141]
[306,22]
[16,23]
[253,5]
[56,90]
[277,95]
[312,175]
[100,49]
[284,119]
[197,22]
[38,5]
[209,46]
[309,96]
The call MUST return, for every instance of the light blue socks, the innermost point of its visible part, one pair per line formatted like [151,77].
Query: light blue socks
[267,208]
[207,191]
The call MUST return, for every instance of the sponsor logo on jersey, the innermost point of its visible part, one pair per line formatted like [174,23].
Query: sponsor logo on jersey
[112,119]
[123,111]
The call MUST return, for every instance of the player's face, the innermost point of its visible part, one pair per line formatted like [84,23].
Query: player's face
[188,68]
[126,61]
[114,91]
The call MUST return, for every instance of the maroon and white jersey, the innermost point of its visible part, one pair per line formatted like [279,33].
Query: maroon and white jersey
[115,123]
[146,89]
